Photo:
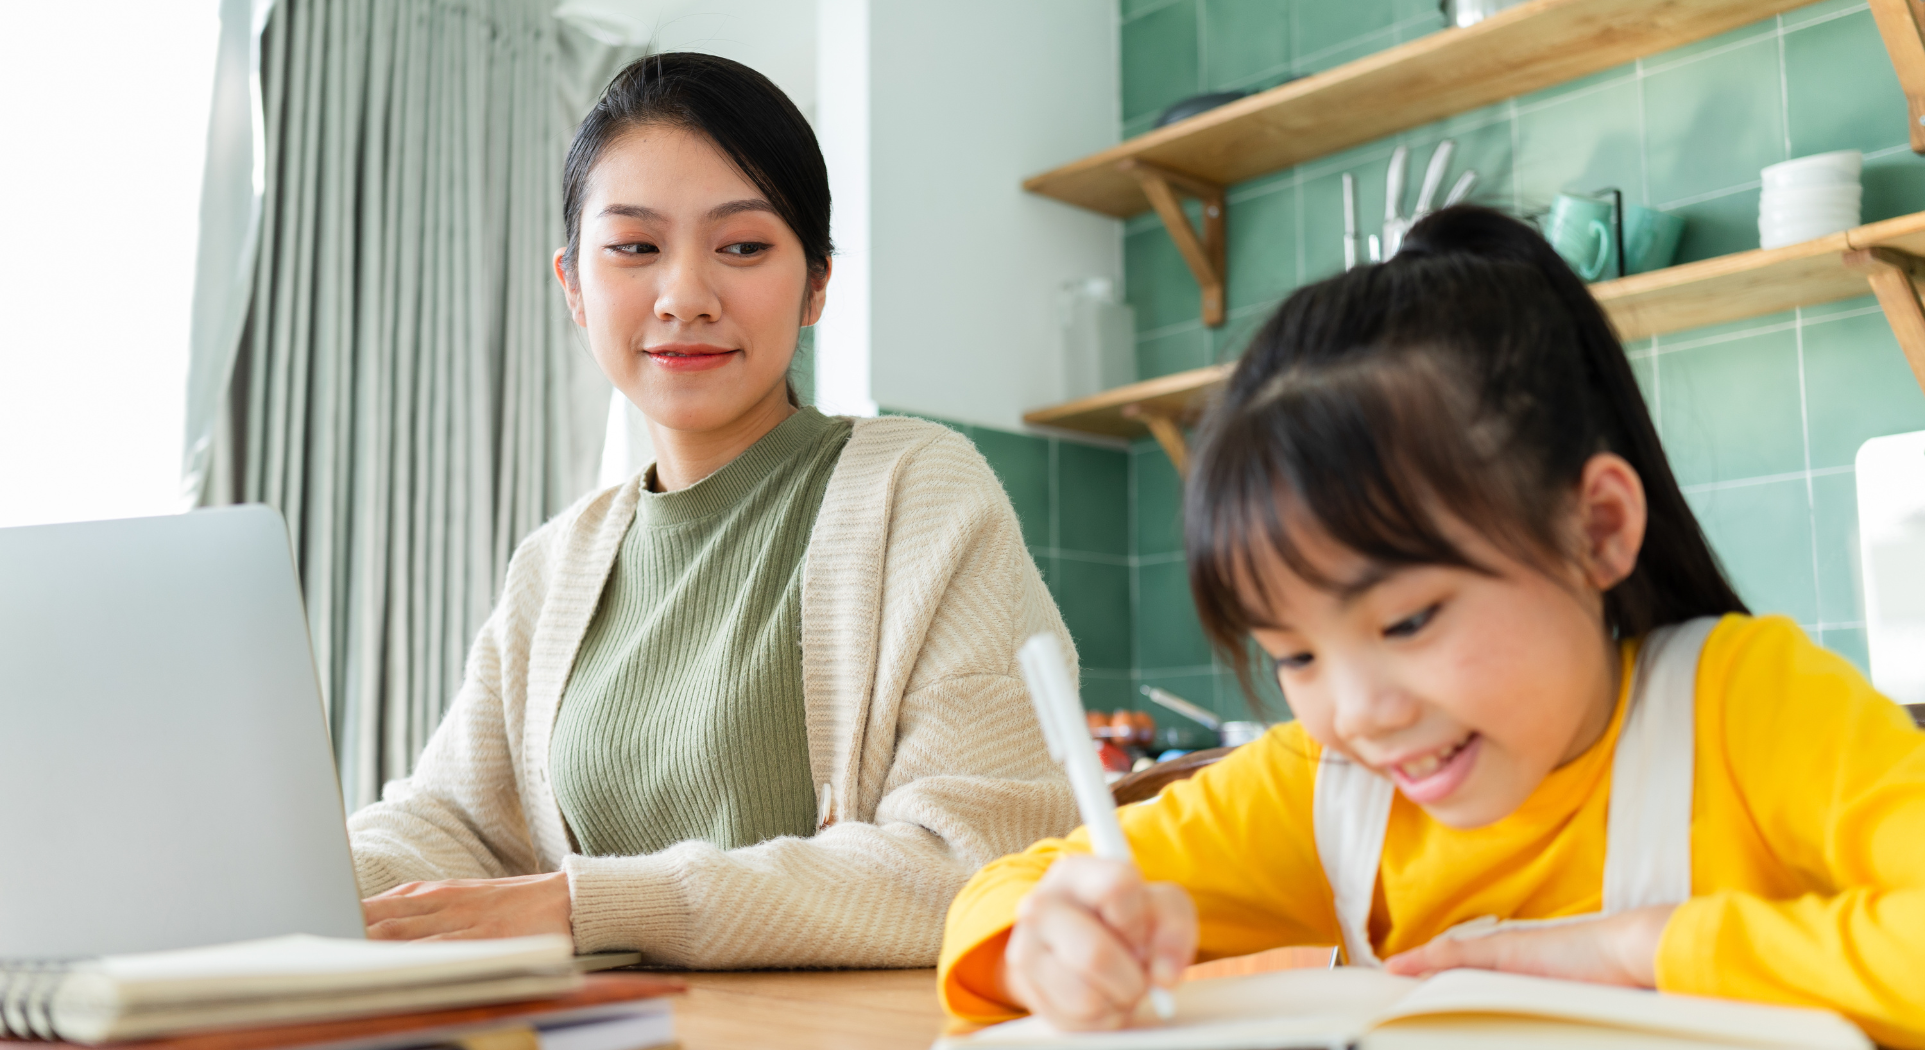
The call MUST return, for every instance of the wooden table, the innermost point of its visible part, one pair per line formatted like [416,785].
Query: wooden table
[803,1010]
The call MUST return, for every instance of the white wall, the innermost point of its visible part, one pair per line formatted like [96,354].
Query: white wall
[775,37]
[949,275]
[104,125]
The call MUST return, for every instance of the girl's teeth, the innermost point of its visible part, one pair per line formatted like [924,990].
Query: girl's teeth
[1419,768]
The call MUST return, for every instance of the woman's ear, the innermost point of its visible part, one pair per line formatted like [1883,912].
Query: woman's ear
[569,290]
[1610,519]
[818,294]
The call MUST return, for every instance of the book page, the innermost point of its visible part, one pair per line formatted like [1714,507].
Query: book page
[302,964]
[1688,1017]
[1270,1011]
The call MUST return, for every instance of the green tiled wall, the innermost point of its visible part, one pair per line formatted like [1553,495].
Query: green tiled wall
[1073,501]
[1761,417]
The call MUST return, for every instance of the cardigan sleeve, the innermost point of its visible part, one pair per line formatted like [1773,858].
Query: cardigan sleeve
[950,768]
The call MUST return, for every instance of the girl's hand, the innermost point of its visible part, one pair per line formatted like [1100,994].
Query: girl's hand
[1622,949]
[465,909]
[1092,938]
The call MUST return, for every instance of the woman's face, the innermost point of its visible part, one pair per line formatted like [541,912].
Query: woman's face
[691,288]
[1464,688]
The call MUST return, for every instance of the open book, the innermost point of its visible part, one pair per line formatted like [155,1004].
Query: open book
[1367,1008]
[280,980]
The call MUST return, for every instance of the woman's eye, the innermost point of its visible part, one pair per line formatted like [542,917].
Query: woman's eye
[746,249]
[635,248]
[1410,625]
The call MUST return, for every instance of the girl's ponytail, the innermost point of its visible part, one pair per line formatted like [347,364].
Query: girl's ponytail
[1472,374]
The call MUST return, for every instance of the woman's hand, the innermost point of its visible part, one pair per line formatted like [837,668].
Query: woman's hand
[465,909]
[1091,939]
[1622,949]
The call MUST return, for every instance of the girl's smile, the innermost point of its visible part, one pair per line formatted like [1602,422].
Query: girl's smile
[1433,775]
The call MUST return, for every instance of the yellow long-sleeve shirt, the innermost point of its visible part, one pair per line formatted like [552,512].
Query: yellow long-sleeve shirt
[1807,849]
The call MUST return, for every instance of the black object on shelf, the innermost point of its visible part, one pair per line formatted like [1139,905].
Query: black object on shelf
[1195,104]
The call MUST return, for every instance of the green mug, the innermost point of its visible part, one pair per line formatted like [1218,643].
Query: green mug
[1650,238]
[1579,228]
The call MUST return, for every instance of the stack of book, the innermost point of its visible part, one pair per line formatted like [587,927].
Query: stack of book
[303,991]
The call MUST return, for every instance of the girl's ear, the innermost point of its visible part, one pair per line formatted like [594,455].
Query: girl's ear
[1610,519]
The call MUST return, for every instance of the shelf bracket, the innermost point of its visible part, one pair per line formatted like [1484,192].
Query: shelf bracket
[1203,252]
[1894,277]
[1899,22]
[1168,433]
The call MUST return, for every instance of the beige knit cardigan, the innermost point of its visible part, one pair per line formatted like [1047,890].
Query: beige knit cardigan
[917,591]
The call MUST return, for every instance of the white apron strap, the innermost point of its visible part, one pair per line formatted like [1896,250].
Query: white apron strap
[1647,852]
[1350,811]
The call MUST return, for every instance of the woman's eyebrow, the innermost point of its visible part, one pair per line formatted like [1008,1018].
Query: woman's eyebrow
[633,211]
[723,211]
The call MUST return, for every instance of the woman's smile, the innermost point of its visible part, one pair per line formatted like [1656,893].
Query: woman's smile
[690,357]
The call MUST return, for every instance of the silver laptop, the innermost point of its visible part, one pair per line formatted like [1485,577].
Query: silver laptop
[166,778]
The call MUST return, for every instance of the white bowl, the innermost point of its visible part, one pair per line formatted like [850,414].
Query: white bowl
[1779,236]
[1812,195]
[1807,216]
[1818,169]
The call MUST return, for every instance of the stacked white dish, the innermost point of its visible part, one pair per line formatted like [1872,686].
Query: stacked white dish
[1810,197]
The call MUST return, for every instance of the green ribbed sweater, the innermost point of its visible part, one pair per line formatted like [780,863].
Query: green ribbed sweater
[683,717]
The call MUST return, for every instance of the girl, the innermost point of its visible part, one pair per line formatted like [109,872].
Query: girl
[757,706]
[1525,691]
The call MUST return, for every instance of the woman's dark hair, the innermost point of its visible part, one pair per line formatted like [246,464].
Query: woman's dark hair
[741,111]
[1473,375]
[747,117]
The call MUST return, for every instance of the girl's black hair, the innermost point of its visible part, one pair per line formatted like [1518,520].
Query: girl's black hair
[1472,375]
[741,111]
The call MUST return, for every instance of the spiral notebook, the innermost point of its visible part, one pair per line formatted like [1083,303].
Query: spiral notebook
[280,980]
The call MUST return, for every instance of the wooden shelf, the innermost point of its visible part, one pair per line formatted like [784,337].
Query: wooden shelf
[1533,46]
[1713,291]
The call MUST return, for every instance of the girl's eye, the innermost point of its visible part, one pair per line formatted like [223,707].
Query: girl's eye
[635,248]
[1410,625]
[1294,661]
[746,249]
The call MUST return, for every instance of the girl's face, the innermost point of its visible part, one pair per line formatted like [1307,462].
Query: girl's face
[691,288]
[1464,688]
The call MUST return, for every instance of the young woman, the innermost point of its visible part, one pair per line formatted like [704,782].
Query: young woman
[758,706]
[1433,496]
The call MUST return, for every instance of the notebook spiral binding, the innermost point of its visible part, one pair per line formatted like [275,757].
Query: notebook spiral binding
[27,990]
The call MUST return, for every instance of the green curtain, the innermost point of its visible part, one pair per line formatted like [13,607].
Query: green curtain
[405,387]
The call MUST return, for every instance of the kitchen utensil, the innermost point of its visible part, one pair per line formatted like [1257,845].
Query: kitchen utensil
[1183,707]
[1433,178]
[1349,221]
[1650,238]
[1465,183]
[1580,230]
[1394,223]
[1466,13]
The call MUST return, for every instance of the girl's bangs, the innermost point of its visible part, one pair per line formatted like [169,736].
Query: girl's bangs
[1338,454]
